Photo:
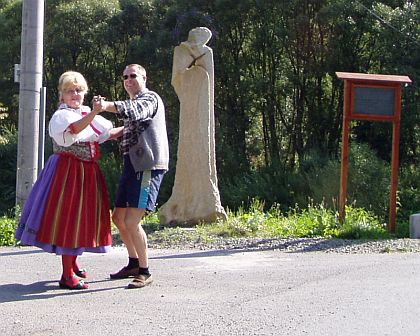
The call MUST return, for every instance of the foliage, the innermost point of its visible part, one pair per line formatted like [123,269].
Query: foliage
[151,222]
[8,150]
[312,221]
[273,184]
[408,198]
[111,167]
[241,223]
[278,102]
[361,224]
[8,224]
[7,231]
[10,27]
[317,179]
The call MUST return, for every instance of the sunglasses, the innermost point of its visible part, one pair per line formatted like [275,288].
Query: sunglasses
[132,76]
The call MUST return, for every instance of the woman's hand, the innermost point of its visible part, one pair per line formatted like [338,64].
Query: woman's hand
[98,104]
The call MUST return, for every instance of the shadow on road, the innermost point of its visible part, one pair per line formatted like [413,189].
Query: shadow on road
[44,290]
[19,252]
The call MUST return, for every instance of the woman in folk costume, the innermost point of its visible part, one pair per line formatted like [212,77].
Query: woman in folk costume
[67,211]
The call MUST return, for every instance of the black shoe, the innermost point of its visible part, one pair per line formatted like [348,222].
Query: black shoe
[124,273]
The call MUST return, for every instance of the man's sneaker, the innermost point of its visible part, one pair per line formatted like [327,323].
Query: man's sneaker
[140,281]
[124,273]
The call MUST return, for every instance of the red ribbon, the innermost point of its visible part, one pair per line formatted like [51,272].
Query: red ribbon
[94,147]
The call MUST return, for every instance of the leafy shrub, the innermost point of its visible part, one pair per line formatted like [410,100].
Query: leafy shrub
[151,223]
[369,180]
[8,158]
[362,224]
[7,231]
[321,177]
[111,166]
[241,223]
[273,184]
[317,180]
[408,198]
[312,221]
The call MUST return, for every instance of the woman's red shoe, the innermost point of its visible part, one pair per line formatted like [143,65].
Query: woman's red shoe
[72,282]
[81,273]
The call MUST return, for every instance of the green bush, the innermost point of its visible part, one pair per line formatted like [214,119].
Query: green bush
[8,158]
[111,166]
[320,177]
[273,184]
[369,180]
[240,223]
[7,231]
[312,221]
[316,180]
[362,224]
[408,198]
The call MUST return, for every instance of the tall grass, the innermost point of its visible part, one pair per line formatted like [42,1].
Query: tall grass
[312,221]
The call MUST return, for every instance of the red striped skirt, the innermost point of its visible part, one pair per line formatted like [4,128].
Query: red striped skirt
[77,209]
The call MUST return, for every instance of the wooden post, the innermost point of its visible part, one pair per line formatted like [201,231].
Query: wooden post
[344,154]
[395,161]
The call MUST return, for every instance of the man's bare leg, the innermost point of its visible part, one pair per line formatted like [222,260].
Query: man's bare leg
[118,217]
[137,235]
[132,268]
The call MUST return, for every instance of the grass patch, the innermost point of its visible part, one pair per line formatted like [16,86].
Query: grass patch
[254,222]
[313,221]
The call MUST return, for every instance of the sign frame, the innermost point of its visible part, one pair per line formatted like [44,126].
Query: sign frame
[353,82]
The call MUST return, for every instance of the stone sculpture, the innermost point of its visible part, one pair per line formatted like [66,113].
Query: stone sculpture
[195,196]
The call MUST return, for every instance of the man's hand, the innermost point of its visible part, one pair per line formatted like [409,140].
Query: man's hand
[100,104]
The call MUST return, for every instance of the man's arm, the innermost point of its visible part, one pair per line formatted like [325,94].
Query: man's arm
[142,108]
[101,105]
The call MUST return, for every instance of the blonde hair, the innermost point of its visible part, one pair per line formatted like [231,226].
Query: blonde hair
[71,79]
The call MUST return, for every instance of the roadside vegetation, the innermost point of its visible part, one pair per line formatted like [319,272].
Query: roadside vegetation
[272,201]
[313,221]
[278,104]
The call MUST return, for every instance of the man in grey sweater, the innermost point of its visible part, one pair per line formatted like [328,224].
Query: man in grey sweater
[146,155]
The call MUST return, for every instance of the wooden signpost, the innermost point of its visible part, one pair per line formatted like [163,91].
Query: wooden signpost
[374,98]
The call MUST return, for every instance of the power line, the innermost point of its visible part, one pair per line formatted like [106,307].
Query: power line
[387,23]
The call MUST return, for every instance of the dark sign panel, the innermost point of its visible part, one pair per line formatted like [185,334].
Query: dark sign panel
[374,101]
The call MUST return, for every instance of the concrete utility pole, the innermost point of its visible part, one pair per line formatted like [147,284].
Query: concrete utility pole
[31,65]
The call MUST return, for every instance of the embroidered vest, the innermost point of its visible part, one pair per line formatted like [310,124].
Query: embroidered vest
[86,151]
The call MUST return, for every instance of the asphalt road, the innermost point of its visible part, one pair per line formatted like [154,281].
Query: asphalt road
[215,293]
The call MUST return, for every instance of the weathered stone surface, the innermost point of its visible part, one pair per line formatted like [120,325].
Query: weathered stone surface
[415,226]
[195,196]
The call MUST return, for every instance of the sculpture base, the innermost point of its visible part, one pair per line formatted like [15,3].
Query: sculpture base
[168,219]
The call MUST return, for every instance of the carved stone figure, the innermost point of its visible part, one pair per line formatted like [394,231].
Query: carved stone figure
[195,196]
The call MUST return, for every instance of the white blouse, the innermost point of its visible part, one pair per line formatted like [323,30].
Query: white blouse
[59,128]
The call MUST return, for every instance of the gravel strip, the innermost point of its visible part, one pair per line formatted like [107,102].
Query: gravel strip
[293,245]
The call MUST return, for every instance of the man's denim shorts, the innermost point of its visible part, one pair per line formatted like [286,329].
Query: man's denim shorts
[138,190]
